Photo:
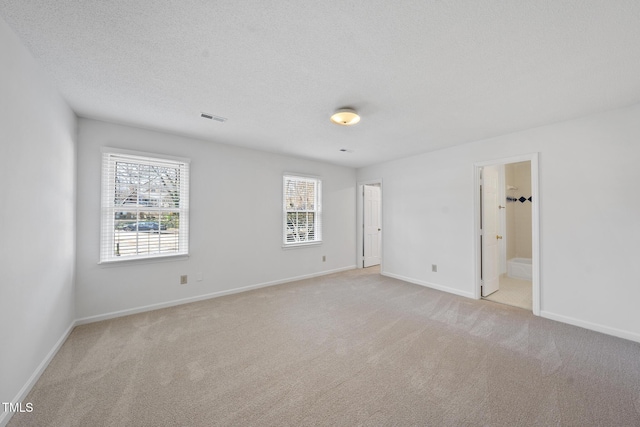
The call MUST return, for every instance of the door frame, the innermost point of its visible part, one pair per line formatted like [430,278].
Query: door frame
[360,222]
[535,224]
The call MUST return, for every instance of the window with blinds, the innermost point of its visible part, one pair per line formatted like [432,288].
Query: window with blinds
[145,206]
[302,223]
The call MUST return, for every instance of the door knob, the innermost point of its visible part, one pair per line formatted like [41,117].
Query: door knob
[501,207]
[499,237]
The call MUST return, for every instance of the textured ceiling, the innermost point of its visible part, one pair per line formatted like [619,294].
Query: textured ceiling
[424,74]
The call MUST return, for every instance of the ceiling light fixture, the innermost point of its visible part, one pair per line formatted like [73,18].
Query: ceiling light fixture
[345,117]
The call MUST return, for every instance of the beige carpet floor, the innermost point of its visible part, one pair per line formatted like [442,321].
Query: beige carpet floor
[515,292]
[347,349]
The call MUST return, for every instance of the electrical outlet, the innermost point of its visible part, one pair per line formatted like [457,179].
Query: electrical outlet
[183,279]
[324,258]
[434,268]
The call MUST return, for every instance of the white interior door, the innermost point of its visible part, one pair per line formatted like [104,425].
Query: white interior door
[490,237]
[372,225]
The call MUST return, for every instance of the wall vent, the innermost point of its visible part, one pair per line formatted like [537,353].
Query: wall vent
[212,117]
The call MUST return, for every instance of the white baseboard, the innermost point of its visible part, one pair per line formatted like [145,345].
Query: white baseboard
[620,333]
[22,394]
[120,313]
[632,336]
[430,285]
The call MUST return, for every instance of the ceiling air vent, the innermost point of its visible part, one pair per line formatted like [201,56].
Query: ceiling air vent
[212,117]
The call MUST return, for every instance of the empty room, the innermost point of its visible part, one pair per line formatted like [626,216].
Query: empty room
[320,213]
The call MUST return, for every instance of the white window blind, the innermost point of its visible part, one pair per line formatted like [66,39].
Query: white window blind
[302,210]
[145,206]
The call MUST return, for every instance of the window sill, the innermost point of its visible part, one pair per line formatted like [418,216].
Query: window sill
[149,260]
[301,245]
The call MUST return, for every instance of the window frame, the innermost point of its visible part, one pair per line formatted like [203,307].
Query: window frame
[110,157]
[317,211]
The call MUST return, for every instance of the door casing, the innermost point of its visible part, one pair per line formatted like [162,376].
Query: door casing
[372,225]
[535,224]
[360,222]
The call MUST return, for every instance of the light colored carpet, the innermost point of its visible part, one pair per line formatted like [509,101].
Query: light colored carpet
[347,349]
[515,292]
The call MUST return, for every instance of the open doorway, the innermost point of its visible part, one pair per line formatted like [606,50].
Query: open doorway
[372,237]
[507,243]
[370,230]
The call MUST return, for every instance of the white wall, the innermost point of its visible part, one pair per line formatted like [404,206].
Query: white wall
[589,217]
[37,247]
[235,220]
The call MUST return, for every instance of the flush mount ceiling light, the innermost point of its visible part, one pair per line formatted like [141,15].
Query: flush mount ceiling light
[345,117]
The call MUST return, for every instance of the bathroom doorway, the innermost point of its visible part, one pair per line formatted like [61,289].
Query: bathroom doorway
[507,232]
